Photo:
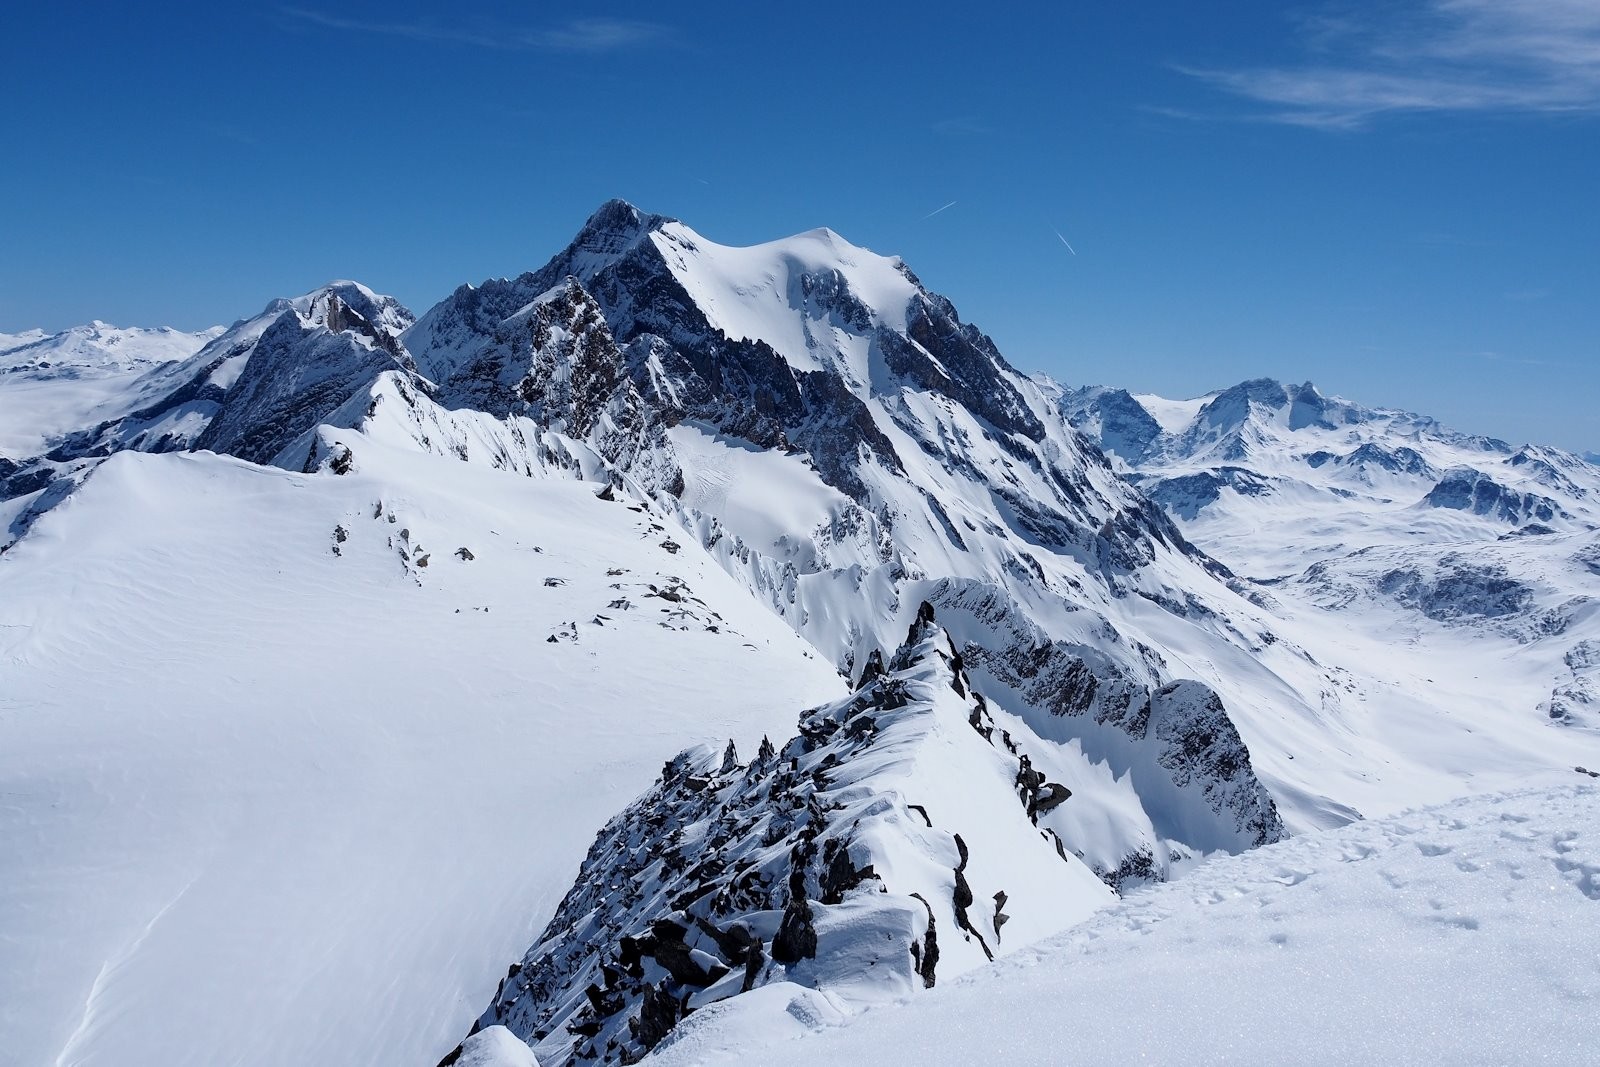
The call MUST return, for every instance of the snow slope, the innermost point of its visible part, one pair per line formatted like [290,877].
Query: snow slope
[1464,933]
[298,798]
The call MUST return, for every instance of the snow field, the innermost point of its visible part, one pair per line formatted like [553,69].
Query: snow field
[343,789]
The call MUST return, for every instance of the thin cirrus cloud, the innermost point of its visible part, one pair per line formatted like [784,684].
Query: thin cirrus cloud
[1439,56]
[577,35]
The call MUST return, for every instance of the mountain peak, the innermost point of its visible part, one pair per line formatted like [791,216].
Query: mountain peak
[614,226]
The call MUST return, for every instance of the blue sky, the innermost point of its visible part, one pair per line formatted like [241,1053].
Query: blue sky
[1395,200]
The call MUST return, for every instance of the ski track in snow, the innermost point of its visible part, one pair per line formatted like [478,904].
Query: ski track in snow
[108,971]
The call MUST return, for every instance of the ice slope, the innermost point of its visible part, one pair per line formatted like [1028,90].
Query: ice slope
[286,779]
[767,291]
[51,384]
[1464,933]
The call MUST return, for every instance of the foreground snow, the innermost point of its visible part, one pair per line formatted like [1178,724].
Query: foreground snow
[302,807]
[1465,933]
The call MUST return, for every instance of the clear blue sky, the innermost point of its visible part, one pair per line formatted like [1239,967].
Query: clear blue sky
[1399,201]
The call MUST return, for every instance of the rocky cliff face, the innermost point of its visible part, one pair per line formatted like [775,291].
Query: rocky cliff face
[555,363]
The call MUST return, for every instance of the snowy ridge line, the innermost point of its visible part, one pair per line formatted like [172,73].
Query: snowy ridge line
[828,866]
[1463,932]
[302,704]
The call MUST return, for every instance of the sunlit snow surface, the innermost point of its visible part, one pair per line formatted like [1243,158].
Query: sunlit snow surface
[262,803]
[1466,933]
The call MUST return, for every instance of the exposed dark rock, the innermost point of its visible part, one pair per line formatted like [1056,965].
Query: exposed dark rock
[1465,489]
[925,955]
[659,1012]
[796,939]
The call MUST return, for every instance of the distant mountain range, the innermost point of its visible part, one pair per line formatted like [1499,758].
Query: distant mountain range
[882,658]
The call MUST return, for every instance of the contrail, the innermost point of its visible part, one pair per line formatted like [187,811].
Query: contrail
[931,214]
[1066,242]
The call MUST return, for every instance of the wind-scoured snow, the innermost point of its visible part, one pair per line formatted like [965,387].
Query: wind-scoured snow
[286,776]
[1466,933]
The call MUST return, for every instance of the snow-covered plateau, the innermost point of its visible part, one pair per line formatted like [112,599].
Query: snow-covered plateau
[695,652]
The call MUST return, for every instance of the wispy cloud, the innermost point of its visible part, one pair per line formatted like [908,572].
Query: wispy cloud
[1524,361]
[589,35]
[1439,56]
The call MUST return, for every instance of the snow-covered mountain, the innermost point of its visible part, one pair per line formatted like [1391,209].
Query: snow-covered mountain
[249,390]
[51,383]
[376,621]
[832,464]
[1463,547]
